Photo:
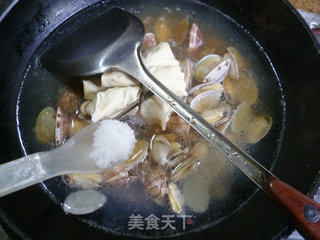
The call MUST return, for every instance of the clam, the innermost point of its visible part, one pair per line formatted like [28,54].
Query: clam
[179,158]
[213,116]
[199,150]
[258,128]
[242,89]
[117,176]
[205,66]
[149,41]
[175,148]
[205,87]
[138,155]
[223,127]
[217,115]
[241,118]
[87,108]
[230,90]
[218,74]
[196,193]
[247,89]
[170,136]
[84,202]
[188,72]
[197,153]
[45,125]
[253,128]
[84,180]
[160,201]
[76,124]
[61,129]
[160,149]
[176,155]
[156,182]
[195,38]
[162,29]
[217,172]
[178,125]
[175,198]
[140,171]
[206,100]
[180,31]
[207,50]
[237,62]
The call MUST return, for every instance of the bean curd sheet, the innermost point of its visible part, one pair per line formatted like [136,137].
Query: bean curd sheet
[211,63]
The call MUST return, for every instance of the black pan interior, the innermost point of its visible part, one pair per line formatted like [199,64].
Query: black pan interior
[258,209]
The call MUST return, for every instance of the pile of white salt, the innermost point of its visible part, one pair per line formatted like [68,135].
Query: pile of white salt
[113,142]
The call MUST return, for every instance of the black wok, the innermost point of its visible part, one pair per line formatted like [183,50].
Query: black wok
[287,43]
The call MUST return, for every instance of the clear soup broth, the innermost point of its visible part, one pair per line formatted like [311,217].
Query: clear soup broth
[213,189]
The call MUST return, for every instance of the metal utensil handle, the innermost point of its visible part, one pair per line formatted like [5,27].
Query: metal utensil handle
[133,65]
[144,96]
[23,172]
[256,172]
[304,211]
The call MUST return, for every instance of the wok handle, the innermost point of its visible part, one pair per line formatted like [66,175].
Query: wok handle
[303,210]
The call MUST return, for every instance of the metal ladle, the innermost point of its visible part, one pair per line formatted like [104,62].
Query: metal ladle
[112,41]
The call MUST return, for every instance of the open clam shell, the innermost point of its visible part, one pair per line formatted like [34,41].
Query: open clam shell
[181,31]
[197,153]
[156,182]
[84,202]
[162,29]
[253,128]
[218,74]
[178,125]
[195,38]
[45,125]
[138,155]
[117,176]
[206,100]
[183,169]
[205,87]
[237,62]
[258,128]
[243,89]
[175,198]
[188,72]
[218,115]
[160,149]
[84,180]
[241,118]
[61,128]
[177,155]
[196,193]
[224,126]
[205,66]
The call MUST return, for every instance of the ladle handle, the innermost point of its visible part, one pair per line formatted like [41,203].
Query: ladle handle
[304,211]
[289,199]
[23,172]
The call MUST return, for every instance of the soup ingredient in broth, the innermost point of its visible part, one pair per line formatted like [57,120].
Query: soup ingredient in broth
[84,202]
[45,125]
[169,160]
[113,142]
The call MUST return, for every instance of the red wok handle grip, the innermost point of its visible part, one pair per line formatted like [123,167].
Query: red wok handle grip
[303,210]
